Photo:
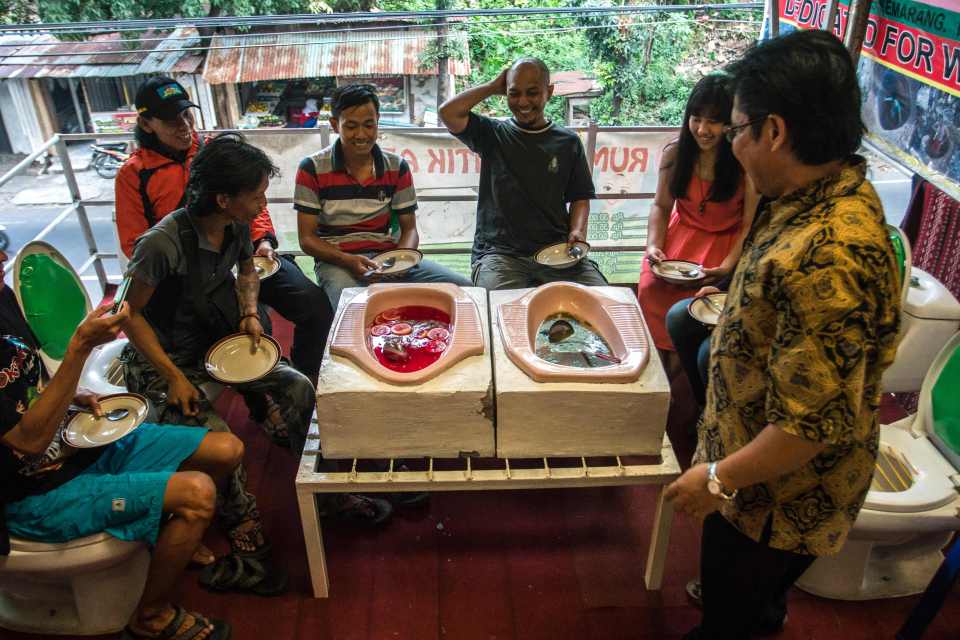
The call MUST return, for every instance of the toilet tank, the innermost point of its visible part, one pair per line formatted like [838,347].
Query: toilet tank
[930,316]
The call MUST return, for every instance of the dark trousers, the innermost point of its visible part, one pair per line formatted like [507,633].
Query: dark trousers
[691,339]
[744,583]
[304,304]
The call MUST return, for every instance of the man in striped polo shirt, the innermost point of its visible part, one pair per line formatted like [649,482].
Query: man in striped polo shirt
[354,200]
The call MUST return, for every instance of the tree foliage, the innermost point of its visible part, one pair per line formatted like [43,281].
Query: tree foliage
[642,61]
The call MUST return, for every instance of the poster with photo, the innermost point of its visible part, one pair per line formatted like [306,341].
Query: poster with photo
[909,74]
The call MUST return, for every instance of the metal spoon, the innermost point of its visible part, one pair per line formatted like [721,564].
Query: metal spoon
[712,304]
[576,251]
[601,356]
[113,415]
[690,273]
[389,262]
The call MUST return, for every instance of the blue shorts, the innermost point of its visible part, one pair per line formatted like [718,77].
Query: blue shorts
[121,493]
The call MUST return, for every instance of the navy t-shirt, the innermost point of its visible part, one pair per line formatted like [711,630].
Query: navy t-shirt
[526,180]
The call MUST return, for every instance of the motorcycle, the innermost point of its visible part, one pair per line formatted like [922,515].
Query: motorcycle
[108,157]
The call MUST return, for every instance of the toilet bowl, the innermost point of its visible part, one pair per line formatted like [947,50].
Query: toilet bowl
[913,506]
[352,337]
[619,324]
[929,316]
[88,586]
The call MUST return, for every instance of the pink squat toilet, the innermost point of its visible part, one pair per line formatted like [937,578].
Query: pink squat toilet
[407,334]
[615,349]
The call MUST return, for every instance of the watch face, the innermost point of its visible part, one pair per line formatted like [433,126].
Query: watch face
[713,487]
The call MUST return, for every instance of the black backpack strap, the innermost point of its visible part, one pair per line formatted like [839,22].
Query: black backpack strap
[148,211]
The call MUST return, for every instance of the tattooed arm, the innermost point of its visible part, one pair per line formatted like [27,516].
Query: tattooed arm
[248,288]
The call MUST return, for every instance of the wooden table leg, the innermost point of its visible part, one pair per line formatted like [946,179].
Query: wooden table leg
[659,541]
[313,539]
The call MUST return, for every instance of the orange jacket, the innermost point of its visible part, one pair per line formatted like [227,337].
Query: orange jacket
[165,189]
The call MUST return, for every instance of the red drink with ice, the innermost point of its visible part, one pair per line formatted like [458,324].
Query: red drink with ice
[408,339]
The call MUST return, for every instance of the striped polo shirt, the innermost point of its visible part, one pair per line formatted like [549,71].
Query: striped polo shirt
[355,217]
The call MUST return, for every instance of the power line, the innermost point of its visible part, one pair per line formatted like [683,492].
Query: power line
[77,28]
[400,27]
[270,45]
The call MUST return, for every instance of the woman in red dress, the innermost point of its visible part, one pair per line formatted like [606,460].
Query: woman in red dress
[703,207]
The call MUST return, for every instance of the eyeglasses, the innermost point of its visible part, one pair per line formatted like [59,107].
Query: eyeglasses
[730,132]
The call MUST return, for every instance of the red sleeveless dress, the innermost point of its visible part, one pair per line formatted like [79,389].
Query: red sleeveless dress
[702,238]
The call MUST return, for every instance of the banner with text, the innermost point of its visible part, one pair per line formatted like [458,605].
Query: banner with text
[910,78]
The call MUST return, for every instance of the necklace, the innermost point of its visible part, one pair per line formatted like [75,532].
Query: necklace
[703,198]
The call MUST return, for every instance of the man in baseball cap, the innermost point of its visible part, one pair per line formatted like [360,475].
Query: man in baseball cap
[162,97]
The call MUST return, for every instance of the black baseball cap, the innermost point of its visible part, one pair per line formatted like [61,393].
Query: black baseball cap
[162,97]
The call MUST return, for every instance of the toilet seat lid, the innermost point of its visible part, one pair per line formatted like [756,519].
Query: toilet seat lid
[52,297]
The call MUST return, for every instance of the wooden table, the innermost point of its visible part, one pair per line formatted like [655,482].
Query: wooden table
[310,482]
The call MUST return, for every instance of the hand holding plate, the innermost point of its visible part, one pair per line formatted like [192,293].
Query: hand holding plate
[252,327]
[88,399]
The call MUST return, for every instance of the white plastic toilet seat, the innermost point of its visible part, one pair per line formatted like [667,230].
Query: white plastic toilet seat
[932,486]
[31,546]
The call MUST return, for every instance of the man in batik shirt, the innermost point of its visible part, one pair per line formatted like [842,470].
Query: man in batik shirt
[788,439]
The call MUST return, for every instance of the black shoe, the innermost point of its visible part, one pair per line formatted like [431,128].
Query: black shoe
[409,499]
[770,627]
[358,509]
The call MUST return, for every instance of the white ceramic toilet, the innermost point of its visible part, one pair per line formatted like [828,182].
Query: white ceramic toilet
[930,315]
[913,507]
[90,585]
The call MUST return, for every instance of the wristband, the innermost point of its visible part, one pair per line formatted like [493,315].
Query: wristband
[250,315]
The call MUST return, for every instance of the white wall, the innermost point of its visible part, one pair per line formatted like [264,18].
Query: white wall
[20,116]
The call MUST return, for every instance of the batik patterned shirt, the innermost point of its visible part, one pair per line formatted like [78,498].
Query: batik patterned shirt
[810,324]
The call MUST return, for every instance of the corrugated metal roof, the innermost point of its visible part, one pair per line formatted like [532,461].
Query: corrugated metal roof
[282,56]
[73,60]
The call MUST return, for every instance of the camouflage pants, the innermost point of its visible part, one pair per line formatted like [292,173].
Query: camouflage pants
[288,387]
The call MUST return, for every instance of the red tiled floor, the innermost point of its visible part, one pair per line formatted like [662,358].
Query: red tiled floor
[519,565]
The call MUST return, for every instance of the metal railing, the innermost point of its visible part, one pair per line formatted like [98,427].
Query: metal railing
[79,204]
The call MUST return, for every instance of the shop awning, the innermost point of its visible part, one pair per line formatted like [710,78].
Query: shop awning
[283,56]
[103,56]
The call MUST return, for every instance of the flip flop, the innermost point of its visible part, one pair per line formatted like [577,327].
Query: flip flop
[234,573]
[221,629]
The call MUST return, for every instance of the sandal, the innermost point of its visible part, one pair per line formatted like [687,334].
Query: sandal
[351,507]
[248,540]
[273,423]
[221,630]
[243,573]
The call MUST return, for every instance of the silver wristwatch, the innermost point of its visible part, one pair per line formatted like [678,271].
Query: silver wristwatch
[715,487]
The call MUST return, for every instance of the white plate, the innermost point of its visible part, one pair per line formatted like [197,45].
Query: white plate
[232,360]
[700,309]
[670,271]
[557,256]
[265,267]
[406,259]
[84,431]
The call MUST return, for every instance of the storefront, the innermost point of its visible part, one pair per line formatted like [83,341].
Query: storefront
[89,86]
[288,79]
[302,102]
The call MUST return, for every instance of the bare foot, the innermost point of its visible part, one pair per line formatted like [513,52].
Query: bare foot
[203,556]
